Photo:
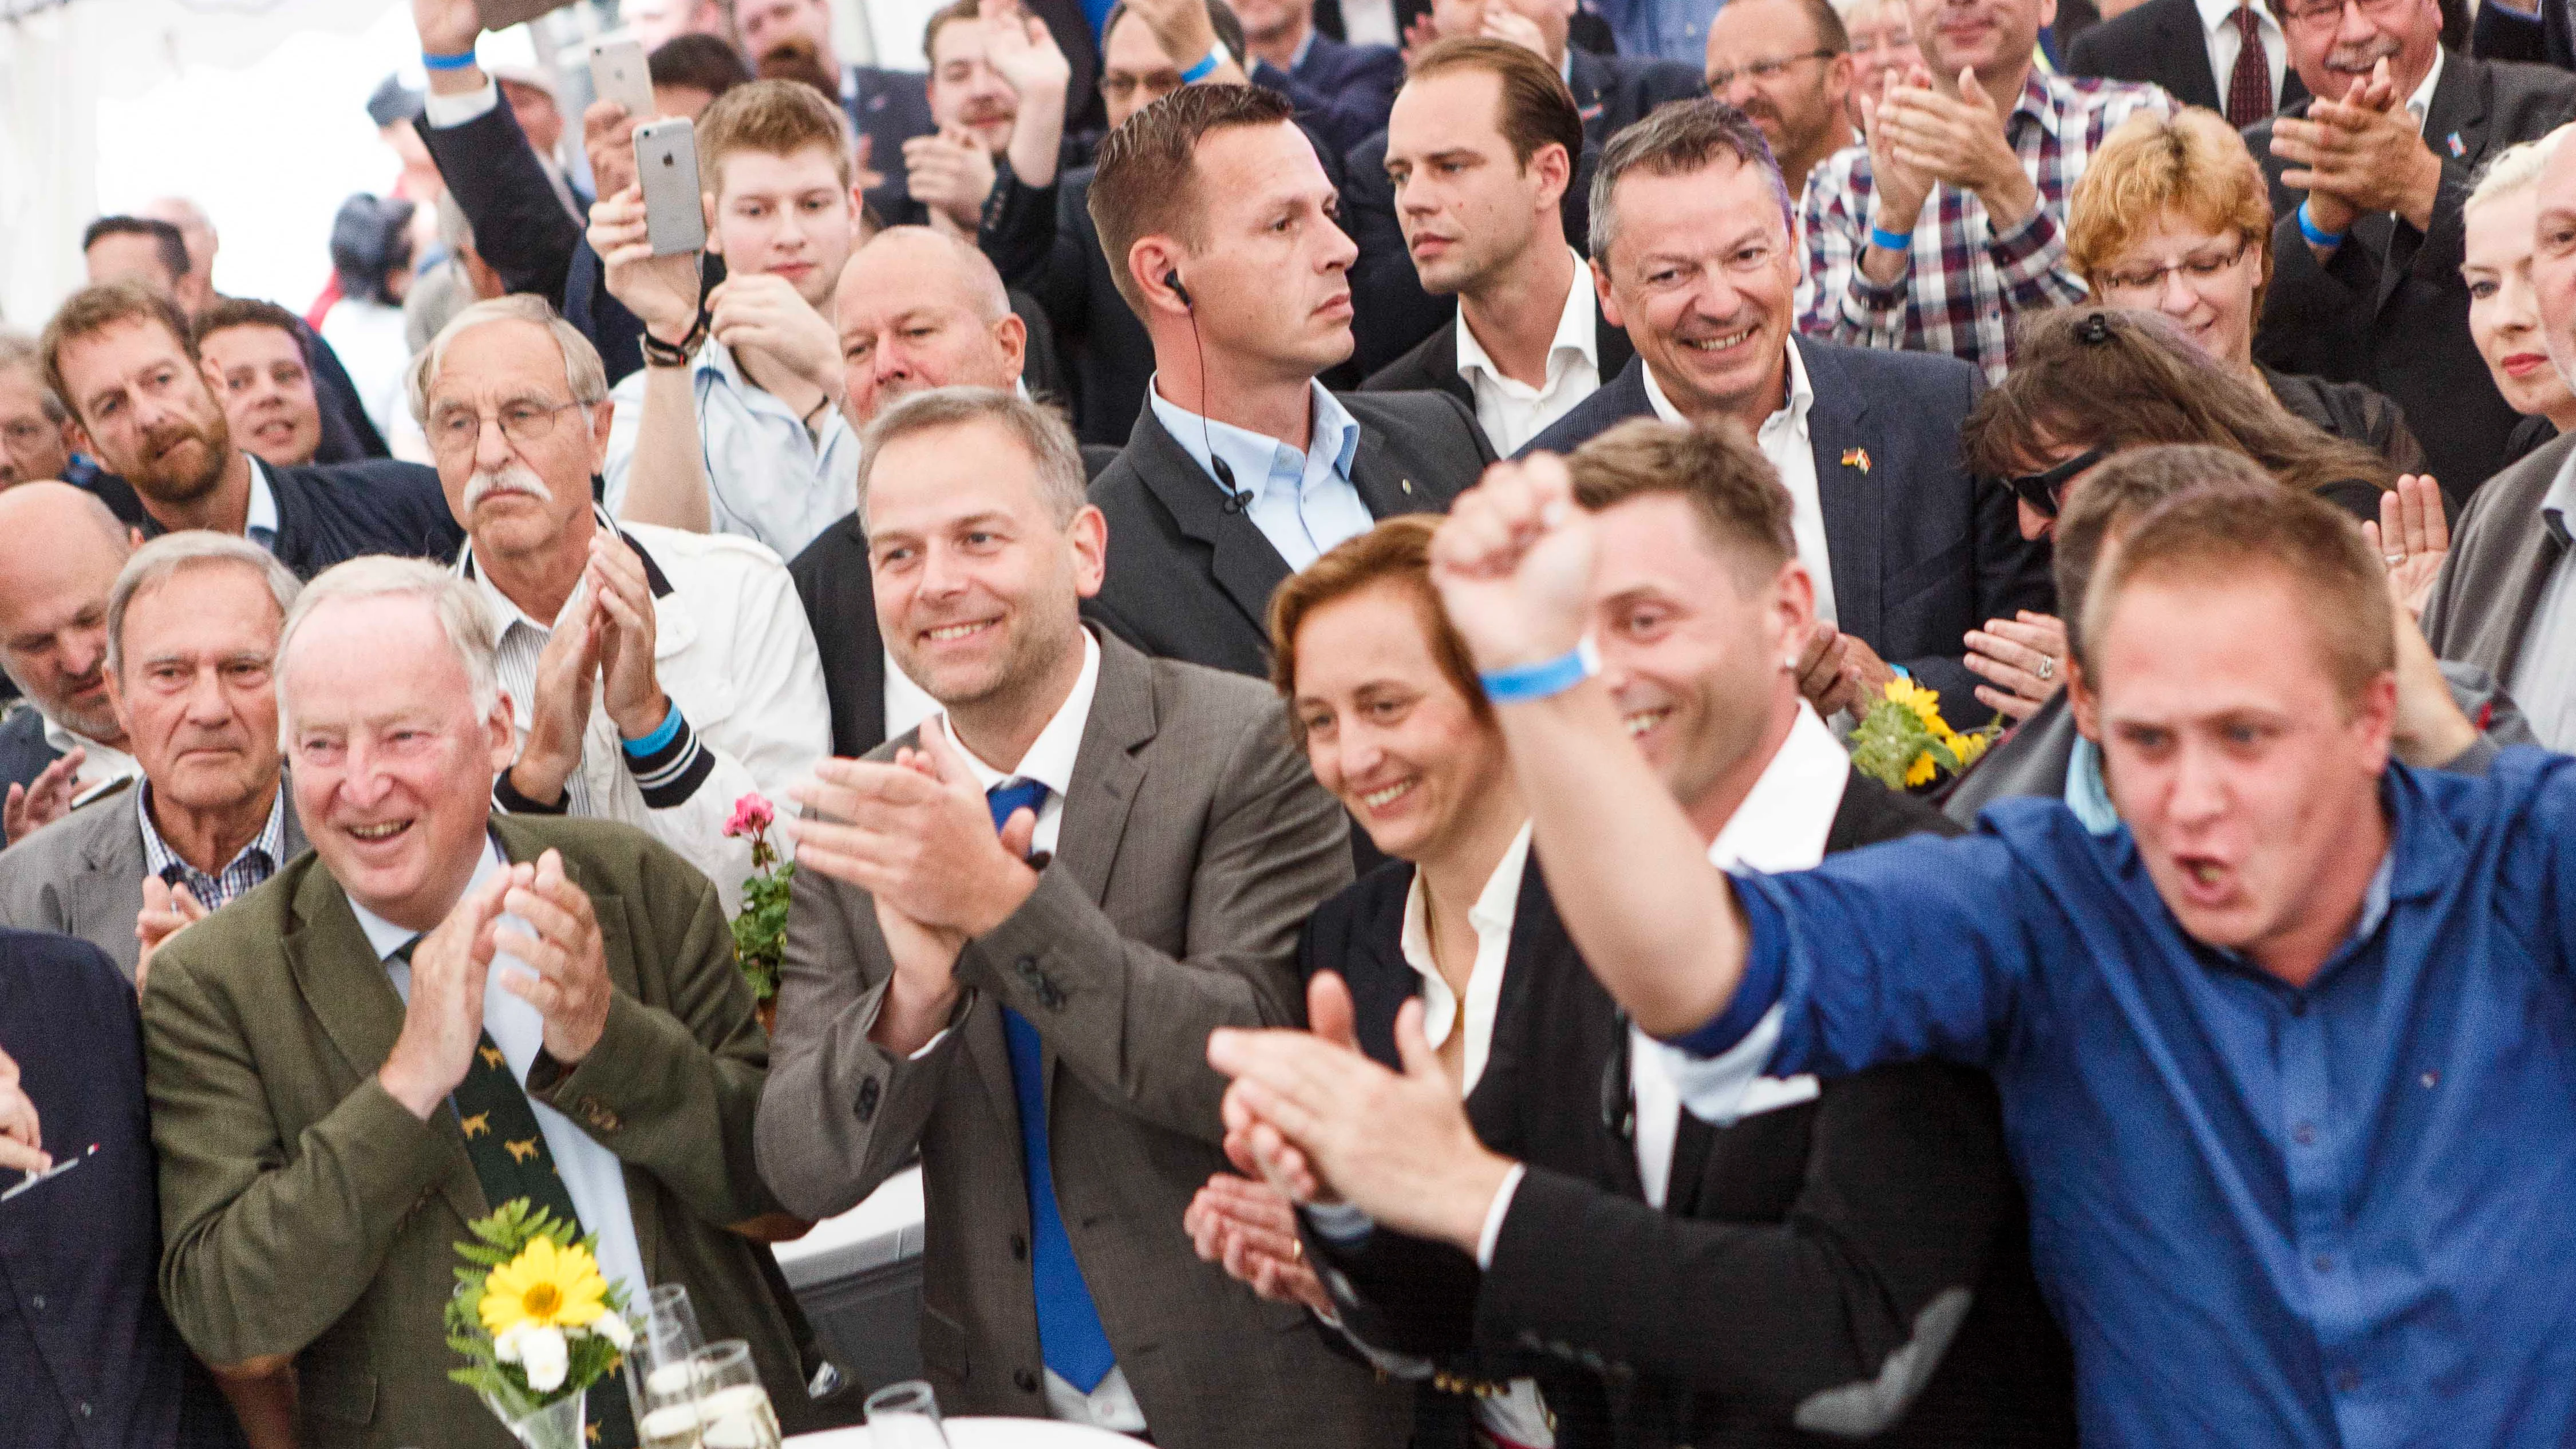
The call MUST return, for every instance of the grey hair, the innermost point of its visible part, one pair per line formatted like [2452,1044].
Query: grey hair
[450,599]
[2515,168]
[1038,428]
[1674,140]
[172,554]
[584,373]
[19,350]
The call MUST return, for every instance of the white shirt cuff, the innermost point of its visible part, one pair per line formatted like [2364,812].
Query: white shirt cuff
[448,112]
[1343,1222]
[1500,1209]
[1714,1088]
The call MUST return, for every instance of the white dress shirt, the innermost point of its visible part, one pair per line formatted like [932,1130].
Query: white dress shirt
[1784,440]
[101,767]
[2218,28]
[259,518]
[2544,670]
[767,478]
[1512,413]
[2421,102]
[1304,503]
[590,1172]
[906,704]
[1491,919]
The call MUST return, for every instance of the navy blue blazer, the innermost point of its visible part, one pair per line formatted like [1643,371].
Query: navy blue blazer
[88,1354]
[1342,92]
[1921,552]
[889,107]
[24,754]
[328,514]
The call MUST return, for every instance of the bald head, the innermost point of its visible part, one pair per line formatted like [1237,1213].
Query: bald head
[918,310]
[60,550]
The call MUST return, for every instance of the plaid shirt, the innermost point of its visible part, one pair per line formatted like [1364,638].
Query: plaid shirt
[256,862]
[1962,282]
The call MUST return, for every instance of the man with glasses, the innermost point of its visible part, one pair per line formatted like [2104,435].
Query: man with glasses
[2368,179]
[1787,64]
[653,676]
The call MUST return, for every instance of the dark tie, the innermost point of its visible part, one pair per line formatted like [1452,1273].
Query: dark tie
[2249,85]
[1070,1337]
[508,1150]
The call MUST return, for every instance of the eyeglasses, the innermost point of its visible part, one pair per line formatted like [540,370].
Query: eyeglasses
[2319,12]
[457,429]
[2045,490]
[1765,70]
[2148,281]
[1118,86]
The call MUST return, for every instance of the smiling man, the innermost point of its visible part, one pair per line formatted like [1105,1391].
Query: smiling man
[257,361]
[2316,998]
[1218,223]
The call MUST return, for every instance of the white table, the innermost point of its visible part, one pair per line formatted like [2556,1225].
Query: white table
[885,1228]
[985,1434]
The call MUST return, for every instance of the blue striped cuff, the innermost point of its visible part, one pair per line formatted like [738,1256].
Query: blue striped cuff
[1766,957]
[669,765]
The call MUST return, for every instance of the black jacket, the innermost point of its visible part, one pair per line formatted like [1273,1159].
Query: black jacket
[1190,580]
[1798,1249]
[24,753]
[2349,411]
[2389,308]
[1433,366]
[326,515]
[1342,92]
[834,583]
[888,108]
[1920,551]
[2161,42]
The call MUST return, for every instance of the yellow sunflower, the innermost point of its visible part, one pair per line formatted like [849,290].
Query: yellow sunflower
[544,1287]
[1926,703]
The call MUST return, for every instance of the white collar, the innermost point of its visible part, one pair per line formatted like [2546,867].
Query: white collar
[385,936]
[1052,754]
[262,512]
[2217,15]
[1574,329]
[1788,814]
[2421,103]
[1495,906]
[1802,394]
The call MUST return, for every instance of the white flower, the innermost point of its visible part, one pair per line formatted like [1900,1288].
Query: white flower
[506,1347]
[613,1326]
[543,1353]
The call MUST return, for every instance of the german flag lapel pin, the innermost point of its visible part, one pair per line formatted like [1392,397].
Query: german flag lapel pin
[1856,458]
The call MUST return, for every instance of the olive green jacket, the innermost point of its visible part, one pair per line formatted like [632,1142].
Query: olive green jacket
[305,1212]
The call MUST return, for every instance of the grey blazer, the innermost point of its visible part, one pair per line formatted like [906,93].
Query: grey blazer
[83,875]
[2501,558]
[1194,844]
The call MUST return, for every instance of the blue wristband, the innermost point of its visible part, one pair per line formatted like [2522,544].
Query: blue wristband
[1889,241]
[1543,680]
[2308,229]
[660,739]
[1207,65]
[464,61]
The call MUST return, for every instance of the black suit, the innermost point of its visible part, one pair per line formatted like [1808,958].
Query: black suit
[2389,308]
[1919,552]
[2162,43]
[888,107]
[1795,1251]
[24,752]
[2500,34]
[1613,91]
[1433,366]
[833,581]
[1190,580]
[1342,92]
[330,514]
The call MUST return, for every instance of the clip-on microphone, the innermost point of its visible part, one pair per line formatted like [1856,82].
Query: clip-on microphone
[1237,499]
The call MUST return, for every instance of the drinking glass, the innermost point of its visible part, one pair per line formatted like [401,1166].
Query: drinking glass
[905,1416]
[659,1381]
[733,1409]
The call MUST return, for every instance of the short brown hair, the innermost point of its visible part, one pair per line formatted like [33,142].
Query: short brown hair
[775,118]
[1146,180]
[940,19]
[2191,163]
[1537,109]
[1396,552]
[2236,534]
[1733,489]
[1676,139]
[2125,487]
[247,312]
[93,310]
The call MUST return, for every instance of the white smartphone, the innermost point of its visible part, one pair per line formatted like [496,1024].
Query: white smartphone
[618,73]
[666,166]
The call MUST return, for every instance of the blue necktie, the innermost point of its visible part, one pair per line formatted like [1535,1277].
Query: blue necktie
[1075,1346]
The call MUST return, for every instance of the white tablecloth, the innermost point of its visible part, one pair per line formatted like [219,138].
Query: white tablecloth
[884,1229]
[985,1434]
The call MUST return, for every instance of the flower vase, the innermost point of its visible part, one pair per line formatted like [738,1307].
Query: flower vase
[556,1426]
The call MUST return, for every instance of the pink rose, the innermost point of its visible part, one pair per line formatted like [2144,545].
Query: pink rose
[751,815]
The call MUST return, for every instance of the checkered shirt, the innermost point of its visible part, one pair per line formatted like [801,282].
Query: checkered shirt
[256,862]
[1962,283]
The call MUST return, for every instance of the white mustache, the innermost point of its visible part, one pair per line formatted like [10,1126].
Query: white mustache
[516,478]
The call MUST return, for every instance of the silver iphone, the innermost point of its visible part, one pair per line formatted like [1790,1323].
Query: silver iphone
[666,166]
[618,73]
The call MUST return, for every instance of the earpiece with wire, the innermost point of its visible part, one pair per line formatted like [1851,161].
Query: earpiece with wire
[1237,499]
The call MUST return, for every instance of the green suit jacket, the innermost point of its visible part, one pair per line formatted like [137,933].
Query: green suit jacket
[305,1212]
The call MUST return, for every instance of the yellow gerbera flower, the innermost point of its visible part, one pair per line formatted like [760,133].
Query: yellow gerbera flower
[1969,747]
[1921,771]
[545,1287]
[1926,703]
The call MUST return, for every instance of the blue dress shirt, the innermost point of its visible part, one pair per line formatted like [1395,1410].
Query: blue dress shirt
[1675,30]
[1304,503]
[2336,1215]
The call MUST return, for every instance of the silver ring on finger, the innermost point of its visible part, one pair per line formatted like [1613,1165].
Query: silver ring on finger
[2047,668]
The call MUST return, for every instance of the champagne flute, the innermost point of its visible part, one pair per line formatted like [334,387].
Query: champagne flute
[733,1409]
[659,1381]
[905,1416]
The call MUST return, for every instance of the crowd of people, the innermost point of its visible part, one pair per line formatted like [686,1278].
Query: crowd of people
[1301,579]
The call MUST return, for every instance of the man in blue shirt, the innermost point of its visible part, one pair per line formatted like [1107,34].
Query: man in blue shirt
[2282,1054]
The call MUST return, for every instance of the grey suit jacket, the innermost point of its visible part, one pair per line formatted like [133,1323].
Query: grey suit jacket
[83,875]
[1194,844]
[2501,559]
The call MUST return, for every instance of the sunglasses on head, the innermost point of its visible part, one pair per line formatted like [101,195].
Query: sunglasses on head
[2046,489]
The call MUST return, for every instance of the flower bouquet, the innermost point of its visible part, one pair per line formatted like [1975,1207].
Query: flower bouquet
[535,1322]
[1903,743]
[760,931]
